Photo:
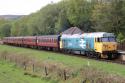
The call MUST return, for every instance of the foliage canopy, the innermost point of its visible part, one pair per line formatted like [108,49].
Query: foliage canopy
[88,15]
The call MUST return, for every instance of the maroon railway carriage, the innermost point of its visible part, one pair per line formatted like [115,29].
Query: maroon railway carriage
[18,41]
[8,40]
[30,41]
[49,41]
[5,41]
[13,40]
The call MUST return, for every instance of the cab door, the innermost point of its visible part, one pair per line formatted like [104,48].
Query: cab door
[98,45]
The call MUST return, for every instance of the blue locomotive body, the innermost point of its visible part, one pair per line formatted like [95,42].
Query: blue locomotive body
[77,42]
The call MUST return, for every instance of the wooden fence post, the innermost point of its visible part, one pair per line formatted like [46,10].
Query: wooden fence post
[5,57]
[24,65]
[33,66]
[15,61]
[84,81]
[46,71]
[65,75]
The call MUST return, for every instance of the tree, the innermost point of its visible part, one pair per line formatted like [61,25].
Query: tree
[62,22]
[101,17]
[5,30]
[109,16]
[79,13]
[120,38]
[88,15]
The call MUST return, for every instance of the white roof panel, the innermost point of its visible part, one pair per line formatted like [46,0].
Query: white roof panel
[98,34]
[94,35]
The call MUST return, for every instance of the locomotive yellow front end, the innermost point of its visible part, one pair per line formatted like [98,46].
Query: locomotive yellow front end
[106,46]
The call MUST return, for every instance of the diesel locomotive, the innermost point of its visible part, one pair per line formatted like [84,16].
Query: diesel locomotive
[98,44]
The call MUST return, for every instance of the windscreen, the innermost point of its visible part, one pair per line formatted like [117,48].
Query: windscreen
[108,39]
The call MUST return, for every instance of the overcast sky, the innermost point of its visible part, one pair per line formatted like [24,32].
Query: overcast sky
[22,7]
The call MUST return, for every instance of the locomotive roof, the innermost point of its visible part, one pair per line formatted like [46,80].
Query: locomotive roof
[71,36]
[95,34]
[98,34]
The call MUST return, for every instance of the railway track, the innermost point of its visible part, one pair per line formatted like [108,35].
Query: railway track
[116,61]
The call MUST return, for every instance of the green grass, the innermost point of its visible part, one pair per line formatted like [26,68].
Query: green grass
[73,61]
[9,73]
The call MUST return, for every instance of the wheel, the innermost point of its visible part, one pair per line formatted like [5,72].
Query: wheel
[98,55]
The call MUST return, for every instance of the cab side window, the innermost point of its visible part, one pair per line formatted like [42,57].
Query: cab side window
[97,39]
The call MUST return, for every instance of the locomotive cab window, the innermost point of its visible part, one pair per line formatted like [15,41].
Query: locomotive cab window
[108,39]
[105,39]
[97,39]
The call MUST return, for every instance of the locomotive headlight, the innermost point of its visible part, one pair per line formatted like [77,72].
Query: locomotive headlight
[114,46]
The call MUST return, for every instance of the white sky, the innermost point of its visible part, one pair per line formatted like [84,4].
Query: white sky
[22,7]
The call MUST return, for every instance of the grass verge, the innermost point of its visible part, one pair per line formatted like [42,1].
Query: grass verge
[70,61]
[9,73]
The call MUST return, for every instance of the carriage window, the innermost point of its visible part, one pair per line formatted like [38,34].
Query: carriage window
[49,40]
[54,40]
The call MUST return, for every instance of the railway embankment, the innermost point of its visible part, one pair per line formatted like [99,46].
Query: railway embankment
[61,67]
